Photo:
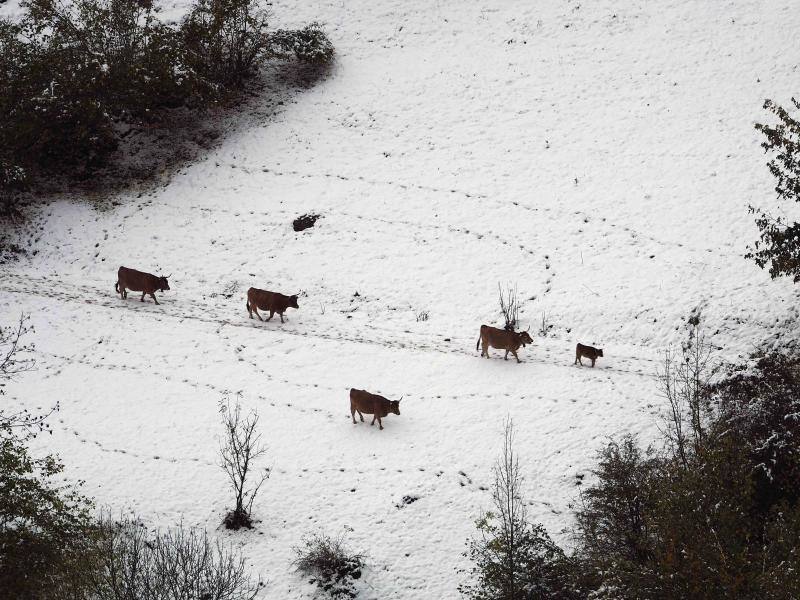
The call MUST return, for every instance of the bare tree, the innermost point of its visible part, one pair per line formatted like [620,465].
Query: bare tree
[15,359]
[240,448]
[178,564]
[683,381]
[509,306]
[513,558]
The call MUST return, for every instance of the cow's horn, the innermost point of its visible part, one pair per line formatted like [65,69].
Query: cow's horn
[168,276]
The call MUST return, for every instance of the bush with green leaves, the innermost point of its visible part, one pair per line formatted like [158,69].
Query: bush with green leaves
[778,247]
[512,558]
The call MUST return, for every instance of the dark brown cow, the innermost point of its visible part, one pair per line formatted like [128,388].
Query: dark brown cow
[502,339]
[588,352]
[138,281]
[372,404]
[271,301]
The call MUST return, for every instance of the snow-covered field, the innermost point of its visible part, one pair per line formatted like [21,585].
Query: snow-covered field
[602,155]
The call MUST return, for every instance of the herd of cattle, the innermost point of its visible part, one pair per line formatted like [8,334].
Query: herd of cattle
[361,401]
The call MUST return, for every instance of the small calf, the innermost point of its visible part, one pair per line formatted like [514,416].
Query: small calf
[587,352]
[372,404]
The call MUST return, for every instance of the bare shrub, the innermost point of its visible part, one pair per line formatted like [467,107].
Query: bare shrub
[332,566]
[422,316]
[15,359]
[178,564]
[509,306]
[241,446]
[684,382]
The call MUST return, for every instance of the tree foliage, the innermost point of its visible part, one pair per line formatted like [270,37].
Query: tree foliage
[778,246]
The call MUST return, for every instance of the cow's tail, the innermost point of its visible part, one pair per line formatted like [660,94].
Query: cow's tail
[478,345]
[247,304]
[116,286]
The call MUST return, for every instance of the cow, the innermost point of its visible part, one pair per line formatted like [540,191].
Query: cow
[271,301]
[588,352]
[372,404]
[138,281]
[502,339]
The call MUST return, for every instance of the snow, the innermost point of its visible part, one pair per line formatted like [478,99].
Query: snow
[601,155]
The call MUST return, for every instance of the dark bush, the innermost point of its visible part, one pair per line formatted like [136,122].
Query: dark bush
[309,45]
[46,529]
[73,73]
[720,521]
[331,565]
[224,41]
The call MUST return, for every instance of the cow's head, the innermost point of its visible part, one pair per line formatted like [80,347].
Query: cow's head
[599,352]
[162,283]
[524,338]
[394,406]
[293,301]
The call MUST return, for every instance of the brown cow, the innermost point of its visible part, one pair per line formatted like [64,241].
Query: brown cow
[138,281]
[588,352]
[271,301]
[372,404]
[502,339]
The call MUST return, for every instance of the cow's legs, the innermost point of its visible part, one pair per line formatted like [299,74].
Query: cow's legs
[514,352]
[353,415]
[271,312]
[380,424]
[578,358]
[375,416]
[485,350]
[153,296]
[506,356]
[255,310]
[360,415]
[143,295]
[281,316]
[594,359]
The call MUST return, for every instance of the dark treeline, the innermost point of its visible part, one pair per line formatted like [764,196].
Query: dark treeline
[72,73]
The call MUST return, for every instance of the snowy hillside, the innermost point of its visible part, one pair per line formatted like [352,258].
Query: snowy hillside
[601,155]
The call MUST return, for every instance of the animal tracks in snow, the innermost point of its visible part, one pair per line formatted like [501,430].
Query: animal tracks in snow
[58,289]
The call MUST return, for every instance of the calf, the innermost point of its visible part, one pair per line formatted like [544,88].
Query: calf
[138,281]
[271,301]
[502,339]
[372,404]
[588,352]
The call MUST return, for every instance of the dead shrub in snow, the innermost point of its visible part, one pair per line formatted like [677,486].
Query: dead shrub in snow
[509,306]
[241,447]
[332,566]
[179,564]
[684,382]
